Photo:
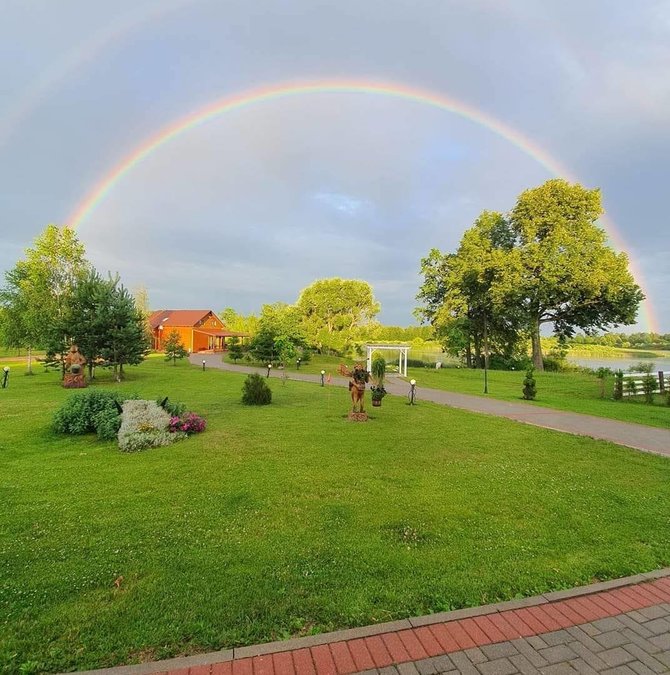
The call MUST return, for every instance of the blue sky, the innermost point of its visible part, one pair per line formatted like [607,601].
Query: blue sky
[254,205]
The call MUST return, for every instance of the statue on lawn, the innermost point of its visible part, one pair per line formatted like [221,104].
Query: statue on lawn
[358,378]
[74,369]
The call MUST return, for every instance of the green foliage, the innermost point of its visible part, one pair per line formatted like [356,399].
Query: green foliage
[618,385]
[37,291]
[547,261]
[529,385]
[378,368]
[173,408]
[173,347]
[107,423]
[631,387]
[256,391]
[79,414]
[642,367]
[235,349]
[331,310]
[262,347]
[649,384]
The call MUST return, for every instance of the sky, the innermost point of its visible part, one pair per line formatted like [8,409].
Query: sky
[254,204]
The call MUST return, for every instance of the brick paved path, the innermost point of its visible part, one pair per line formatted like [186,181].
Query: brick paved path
[638,436]
[617,627]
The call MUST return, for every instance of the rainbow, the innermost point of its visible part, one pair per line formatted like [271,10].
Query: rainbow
[256,96]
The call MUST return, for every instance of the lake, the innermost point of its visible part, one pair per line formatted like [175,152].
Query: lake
[660,363]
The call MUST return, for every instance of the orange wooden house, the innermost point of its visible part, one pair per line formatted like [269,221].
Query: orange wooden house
[200,329]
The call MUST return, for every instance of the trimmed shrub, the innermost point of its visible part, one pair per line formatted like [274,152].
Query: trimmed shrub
[256,391]
[78,414]
[529,386]
[144,424]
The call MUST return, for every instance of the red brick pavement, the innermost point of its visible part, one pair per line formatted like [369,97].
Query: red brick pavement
[410,644]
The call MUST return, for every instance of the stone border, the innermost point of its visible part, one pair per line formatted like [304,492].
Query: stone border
[375,629]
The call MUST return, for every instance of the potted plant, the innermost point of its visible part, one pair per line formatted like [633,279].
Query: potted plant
[377,391]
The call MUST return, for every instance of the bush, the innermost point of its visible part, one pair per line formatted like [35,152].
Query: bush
[618,385]
[78,414]
[631,387]
[649,383]
[529,386]
[256,391]
[552,365]
[418,363]
[144,424]
[107,423]
[174,409]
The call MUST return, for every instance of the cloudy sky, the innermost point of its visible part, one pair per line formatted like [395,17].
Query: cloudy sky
[254,204]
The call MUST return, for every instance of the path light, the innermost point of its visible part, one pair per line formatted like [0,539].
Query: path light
[203,365]
[412,391]
[298,363]
[323,375]
[269,369]
[5,377]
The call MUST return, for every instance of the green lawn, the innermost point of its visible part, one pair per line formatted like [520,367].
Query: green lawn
[575,391]
[287,519]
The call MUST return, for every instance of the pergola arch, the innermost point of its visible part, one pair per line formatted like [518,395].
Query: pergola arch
[402,361]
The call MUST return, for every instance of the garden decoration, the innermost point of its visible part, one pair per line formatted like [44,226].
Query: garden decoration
[5,377]
[358,378]
[74,377]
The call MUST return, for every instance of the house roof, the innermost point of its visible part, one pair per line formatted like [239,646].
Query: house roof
[177,317]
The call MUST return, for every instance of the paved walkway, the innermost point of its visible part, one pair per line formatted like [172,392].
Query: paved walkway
[620,627]
[638,436]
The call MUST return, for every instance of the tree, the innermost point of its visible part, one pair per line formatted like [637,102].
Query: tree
[127,342]
[545,262]
[561,269]
[457,294]
[37,289]
[239,323]
[262,346]
[235,348]
[331,309]
[174,347]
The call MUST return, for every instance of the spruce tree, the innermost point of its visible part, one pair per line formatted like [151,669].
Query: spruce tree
[174,348]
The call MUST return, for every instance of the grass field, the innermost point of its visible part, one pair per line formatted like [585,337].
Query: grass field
[286,520]
[574,391]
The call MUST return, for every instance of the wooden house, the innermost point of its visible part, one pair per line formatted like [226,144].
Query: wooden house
[200,329]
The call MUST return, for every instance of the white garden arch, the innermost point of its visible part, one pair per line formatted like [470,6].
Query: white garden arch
[402,361]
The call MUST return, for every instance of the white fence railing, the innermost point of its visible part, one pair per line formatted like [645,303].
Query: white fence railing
[662,382]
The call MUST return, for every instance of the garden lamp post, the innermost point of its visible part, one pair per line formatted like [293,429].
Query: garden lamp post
[5,377]
[323,375]
[412,391]
[269,369]
[297,362]
[203,365]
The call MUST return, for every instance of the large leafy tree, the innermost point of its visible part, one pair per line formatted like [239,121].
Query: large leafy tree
[332,309]
[38,289]
[457,294]
[561,270]
[547,261]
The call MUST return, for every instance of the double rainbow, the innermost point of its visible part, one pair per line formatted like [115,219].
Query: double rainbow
[260,95]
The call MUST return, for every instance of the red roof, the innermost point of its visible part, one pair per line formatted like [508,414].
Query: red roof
[177,317]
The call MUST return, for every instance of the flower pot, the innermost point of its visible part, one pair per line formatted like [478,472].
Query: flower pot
[376,402]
